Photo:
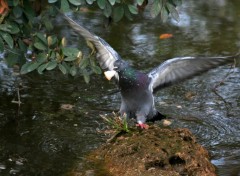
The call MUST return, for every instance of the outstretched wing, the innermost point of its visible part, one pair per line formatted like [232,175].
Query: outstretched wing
[106,55]
[178,69]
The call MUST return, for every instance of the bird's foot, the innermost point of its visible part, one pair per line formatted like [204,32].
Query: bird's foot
[142,125]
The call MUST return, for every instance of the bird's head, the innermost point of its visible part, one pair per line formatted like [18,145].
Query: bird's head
[118,66]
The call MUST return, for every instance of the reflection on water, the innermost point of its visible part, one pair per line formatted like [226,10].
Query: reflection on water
[41,139]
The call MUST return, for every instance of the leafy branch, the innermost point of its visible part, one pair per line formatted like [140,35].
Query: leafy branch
[27,39]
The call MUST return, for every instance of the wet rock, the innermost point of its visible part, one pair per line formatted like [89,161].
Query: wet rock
[156,151]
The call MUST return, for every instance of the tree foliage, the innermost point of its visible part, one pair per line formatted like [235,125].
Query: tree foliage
[27,39]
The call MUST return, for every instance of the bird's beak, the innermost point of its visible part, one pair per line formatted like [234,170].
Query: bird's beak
[109,74]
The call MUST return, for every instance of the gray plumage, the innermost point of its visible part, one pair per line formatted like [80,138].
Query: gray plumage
[181,68]
[136,87]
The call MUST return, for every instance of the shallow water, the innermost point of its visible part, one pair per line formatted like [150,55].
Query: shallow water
[38,138]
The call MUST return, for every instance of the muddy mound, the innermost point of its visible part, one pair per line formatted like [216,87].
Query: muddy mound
[155,151]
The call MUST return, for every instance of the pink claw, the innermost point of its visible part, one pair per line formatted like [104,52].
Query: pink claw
[142,125]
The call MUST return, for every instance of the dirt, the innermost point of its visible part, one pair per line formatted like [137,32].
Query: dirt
[152,152]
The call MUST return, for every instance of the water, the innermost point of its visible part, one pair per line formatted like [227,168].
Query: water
[40,138]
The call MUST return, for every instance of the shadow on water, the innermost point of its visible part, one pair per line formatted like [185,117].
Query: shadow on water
[40,138]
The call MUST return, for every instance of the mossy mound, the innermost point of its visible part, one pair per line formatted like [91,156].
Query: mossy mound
[153,152]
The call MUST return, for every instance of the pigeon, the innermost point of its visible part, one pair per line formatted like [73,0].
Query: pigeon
[136,87]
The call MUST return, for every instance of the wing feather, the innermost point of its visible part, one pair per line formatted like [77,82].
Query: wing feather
[181,68]
[106,55]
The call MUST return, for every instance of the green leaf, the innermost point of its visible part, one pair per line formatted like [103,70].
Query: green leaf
[65,6]
[52,54]
[133,9]
[22,46]
[70,58]
[40,46]
[42,37]
[101,3]
[62,68]
[173,11]
[86,76]
[156,8]
[17,11]
[127,13]
[41,57]
[29,10]
[96,69]
[24,68]
[75,2]
[1,45]
[13,57]
[51,65]
[70,51]
[140,2]
[4,27]
[92,61]
[118,13]
[42,68]
[10,28]
[14,29]
[66,66]
[52,1]
[28,67]
[48,24]
[15,2]
[112,2]
[73,70]
[7,38]
[32,66]
[90,1]
[107,10]
[84,63]
[164,14]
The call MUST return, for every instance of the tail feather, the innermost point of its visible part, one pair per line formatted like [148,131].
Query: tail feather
[157,117]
